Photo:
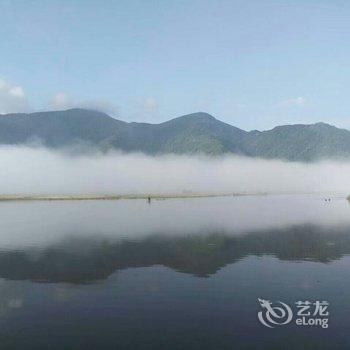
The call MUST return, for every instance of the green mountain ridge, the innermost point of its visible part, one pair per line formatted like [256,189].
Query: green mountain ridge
[189,134]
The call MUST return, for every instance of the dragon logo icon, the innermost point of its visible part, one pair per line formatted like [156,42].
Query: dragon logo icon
[272,316]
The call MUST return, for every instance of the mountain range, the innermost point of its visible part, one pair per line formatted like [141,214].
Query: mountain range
[189,134]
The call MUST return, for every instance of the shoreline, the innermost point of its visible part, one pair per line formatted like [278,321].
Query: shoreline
[152,196]
[6,198]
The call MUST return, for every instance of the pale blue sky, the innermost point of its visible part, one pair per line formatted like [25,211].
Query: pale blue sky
[254,64]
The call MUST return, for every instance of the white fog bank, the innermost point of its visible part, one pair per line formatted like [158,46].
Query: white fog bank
[38,171]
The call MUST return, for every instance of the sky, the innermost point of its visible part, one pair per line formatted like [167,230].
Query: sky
[254,64]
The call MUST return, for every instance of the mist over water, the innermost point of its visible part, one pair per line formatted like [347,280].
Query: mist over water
[34,170]
[42,223]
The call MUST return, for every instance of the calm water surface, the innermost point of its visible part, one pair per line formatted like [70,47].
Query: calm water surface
[172,274]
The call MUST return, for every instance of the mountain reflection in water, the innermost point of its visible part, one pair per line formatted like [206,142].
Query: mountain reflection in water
[84,260]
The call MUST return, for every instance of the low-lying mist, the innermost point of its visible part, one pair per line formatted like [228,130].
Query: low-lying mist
[39,171]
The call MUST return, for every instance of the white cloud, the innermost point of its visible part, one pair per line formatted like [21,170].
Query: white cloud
[145,110]
[150,104]
[12,98]
[17,91]
[62,100]
[294,101]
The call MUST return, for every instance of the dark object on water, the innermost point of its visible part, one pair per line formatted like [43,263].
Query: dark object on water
[149,199]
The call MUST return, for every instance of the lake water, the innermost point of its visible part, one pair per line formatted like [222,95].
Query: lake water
[174,274]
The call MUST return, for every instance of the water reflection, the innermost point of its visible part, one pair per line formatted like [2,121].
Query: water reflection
[87,259]
[171,275]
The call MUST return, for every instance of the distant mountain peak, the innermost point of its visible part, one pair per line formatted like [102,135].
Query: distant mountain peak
[202,115]
[198,116]
[302,126]
[323,125]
